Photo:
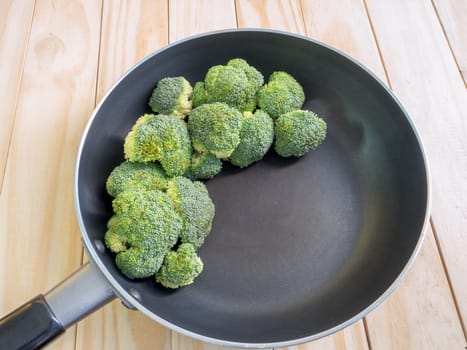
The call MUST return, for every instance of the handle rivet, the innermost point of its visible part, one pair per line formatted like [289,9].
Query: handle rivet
[135,294]
[99,245]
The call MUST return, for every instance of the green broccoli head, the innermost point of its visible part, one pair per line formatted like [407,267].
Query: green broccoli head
[192,202]
[180,267]
[204,166]
[160,138]
[215,128]
[255,77]
[297,132]
[131,176]
[256,138]
[199,94]
[280,95]
[143,230]
[172,96]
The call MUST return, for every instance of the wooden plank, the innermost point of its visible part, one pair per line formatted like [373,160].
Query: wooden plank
[130,31]
[344,25]
[453,17]
[352,337]
[424,75]
[115,327]
[420,314]
[181,342]
[15,24]
[279,15]
[188,18]
[39,236]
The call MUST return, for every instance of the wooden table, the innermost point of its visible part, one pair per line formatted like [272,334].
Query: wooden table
[58,58]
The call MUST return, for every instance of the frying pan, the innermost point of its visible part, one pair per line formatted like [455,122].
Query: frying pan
[300,247]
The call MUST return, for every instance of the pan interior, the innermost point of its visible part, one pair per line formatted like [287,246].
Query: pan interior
[298,246]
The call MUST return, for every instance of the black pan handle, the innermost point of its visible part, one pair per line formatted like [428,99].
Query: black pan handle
[45,317]
[29,326]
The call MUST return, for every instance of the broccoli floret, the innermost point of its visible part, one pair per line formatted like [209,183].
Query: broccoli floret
[172,96]
[191,201]
[180,267]
[199,94]
[235,84]
[215,128]
[131,176]
[143,230]
[160,138]
[254,76]
[256,138]
[204,166]
[297,132]
[280,95]
[229,85]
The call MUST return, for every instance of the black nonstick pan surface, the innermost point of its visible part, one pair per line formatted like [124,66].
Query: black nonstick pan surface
[300,247]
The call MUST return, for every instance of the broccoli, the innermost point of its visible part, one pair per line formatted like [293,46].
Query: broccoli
[199,94]
[254,76]
[180,267]
[191,201]
[172,96]
[130,176]
[256,138]
[163,138]
[144,228]
[215,128]
[297,132]
[280,95]
[235,84]
[204,166]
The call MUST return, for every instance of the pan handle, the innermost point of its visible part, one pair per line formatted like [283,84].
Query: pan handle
[45,317]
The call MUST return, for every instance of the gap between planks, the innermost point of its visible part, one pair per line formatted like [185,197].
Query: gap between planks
[448,278]
[446,37]
[375,38]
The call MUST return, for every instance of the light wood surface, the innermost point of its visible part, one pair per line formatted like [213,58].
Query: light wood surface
[452,15]
[58,58]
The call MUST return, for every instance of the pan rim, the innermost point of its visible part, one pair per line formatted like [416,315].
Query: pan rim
[128,298]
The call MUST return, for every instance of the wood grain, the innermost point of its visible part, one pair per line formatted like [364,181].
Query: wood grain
[453,17]
[15,24]
[352,337]
[130,31]
[344,25]
[188,18]
[39,236]
[421,313]
[279,15]
[116,327]
[425,77]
